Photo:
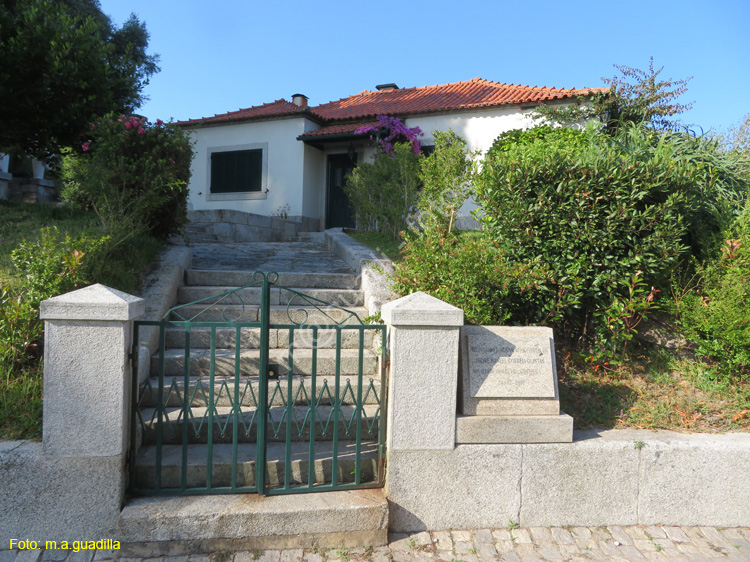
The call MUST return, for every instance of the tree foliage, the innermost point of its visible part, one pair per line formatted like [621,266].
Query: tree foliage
[634,96]
[65,62]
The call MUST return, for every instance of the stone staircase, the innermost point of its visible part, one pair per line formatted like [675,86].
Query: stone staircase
[313,414]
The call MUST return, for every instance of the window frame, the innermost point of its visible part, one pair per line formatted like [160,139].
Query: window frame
[238,195]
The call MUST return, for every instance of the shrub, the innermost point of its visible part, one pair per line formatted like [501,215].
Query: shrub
[715,311]
[446,182]
[383,193]
[133,173]
[595,215]
[469,270]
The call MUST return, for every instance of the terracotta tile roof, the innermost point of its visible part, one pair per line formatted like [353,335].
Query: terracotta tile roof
[277,108]
[339,129]
[476,93]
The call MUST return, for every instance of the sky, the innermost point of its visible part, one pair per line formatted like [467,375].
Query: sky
[225,55]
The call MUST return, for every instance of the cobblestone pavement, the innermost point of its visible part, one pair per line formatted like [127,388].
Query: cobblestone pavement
[533,544]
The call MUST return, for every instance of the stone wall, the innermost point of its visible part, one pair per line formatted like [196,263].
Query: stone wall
[227,225]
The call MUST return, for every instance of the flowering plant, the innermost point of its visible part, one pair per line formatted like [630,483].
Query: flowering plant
[397,132]
[133,173]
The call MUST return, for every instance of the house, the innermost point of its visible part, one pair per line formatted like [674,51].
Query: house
[291,158]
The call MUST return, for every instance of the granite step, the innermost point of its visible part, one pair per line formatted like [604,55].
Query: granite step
[346,298]
[327,424]
[173,526]
[173,394]
[235,278]
[222,456]
[300,315]
[200,337]
[249,364]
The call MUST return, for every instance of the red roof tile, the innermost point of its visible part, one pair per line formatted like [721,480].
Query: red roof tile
[340,129]
[476,93]
[277,108]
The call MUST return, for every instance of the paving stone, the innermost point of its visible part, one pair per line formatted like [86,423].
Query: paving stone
[551,554]
[731,533]
[114,554]
[30,555]
[379,554]
[270,556]
[581,533]
[483,536]
[619,534]
[501,535]
[569,550]
[522,536]
[486,551]
[635,532]
[441,540]
[504,546]
[195,558]
[510,557]
[695,535]
[7,555]
[715,537]
[59,554]
[445,555]
[461,536]
[632,554]
[645,545]
[398,541]
[462,547]
[675,534]
[293,555]
[656,532]
[540,535]
[562,536]
[420,539]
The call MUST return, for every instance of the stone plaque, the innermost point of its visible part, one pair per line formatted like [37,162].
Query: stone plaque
[508,370]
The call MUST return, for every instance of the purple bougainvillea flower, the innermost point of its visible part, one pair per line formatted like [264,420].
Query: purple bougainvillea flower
[85,146]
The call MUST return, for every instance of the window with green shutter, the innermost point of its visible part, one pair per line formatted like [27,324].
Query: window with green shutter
[236,171]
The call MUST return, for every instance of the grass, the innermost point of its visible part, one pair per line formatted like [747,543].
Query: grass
[20,350]
[380,242]
[652,389]
[19,221]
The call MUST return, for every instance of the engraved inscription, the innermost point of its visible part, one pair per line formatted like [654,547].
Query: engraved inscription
[500,368]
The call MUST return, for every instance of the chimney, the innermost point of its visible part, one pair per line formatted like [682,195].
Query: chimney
[386,87]
[300,100]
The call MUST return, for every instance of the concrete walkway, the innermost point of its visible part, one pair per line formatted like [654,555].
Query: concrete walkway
[534,544]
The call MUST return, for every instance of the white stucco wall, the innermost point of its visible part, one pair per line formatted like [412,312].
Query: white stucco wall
[285,170]
[479,128]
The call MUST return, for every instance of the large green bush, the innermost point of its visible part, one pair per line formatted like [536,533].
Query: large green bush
[133,173]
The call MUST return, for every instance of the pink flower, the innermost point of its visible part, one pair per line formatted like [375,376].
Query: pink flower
[141,131]
[85,146]
[159,122]
[129,125]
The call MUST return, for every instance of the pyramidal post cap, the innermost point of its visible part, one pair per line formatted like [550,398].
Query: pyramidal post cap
[421,309]
[96,302]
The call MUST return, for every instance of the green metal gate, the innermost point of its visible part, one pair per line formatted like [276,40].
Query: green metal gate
[305,417]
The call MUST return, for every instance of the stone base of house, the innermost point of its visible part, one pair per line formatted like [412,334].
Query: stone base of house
[227,225]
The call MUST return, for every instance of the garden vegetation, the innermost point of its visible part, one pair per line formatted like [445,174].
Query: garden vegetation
[126,185]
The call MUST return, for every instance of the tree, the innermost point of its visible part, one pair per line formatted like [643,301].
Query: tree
[635,96]
[64,63]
